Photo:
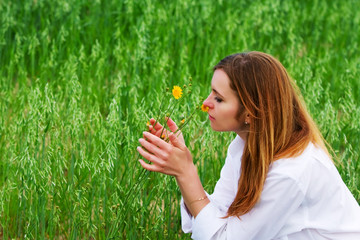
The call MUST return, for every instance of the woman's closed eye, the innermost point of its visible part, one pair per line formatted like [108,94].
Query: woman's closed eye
[219,100]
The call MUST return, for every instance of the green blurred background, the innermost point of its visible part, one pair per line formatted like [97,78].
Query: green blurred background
[79,80]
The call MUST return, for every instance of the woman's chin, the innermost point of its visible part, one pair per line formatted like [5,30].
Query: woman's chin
[214,127]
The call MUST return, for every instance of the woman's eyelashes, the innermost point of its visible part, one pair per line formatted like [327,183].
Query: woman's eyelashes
[219,100]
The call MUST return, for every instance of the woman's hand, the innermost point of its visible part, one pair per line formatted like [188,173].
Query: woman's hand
[172,158]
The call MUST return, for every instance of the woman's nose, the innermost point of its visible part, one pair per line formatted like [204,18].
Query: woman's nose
[208,102]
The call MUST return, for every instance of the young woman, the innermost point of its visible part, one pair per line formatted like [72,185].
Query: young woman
[278,181]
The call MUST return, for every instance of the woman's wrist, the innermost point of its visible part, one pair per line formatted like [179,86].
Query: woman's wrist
[188,175]
[192,190]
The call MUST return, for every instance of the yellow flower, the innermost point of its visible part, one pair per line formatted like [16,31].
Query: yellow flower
[177,92]
[182,121]
[204,108]
[148,124]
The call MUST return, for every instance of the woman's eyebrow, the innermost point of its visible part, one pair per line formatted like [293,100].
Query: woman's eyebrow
[217,92]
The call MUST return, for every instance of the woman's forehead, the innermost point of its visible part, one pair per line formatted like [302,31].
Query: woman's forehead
[220,83]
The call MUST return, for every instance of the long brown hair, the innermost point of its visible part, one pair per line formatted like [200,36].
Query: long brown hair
[280,124]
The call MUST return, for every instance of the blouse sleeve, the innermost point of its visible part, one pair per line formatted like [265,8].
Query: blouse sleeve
[281,196]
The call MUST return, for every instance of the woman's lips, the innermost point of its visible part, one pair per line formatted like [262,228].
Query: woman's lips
[211,118]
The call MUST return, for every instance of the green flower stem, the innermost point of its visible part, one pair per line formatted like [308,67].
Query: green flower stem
[185,123]
[161,105]
[172,111]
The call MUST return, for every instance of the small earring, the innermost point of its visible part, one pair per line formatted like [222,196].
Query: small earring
[246,123]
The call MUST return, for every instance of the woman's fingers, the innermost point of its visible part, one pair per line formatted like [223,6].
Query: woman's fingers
[172,125]
[155,125]
[150,167]
[151,157]
[175,141]
[156,128]
[156,141]
[153,149]
[154,154]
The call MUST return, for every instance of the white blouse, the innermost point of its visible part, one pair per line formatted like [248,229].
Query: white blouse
[303,198]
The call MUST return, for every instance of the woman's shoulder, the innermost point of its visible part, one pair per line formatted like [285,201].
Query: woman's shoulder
[312,162]
[311,155]
[236,146]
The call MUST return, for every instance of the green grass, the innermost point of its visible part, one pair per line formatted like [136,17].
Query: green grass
[78,80]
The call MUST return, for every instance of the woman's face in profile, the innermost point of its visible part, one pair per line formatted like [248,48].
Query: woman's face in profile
[223,105]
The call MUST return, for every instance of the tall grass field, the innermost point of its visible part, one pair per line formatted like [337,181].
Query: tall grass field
[79,79]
